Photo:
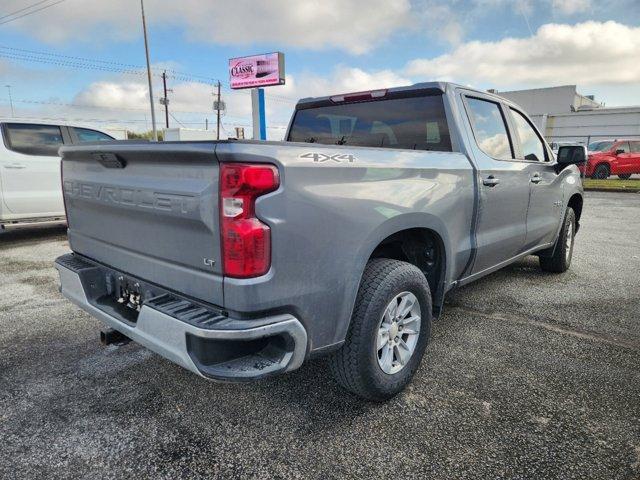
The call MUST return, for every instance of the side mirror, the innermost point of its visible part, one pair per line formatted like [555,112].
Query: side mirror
[571,155]
[619,151]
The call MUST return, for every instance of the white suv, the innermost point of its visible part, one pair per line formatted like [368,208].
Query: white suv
[30,189]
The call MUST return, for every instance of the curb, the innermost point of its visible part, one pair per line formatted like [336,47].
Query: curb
[618,190]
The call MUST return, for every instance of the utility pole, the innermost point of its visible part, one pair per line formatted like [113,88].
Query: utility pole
[219,108]
[146,49]
[165,99]
[13,114]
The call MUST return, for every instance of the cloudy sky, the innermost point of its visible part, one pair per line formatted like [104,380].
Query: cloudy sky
[82,60]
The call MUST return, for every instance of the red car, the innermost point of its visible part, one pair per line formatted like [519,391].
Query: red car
[613,157]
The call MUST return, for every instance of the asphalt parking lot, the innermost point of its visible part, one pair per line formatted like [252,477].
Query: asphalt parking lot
[528,375]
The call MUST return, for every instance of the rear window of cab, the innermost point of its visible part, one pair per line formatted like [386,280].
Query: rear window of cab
[416,123]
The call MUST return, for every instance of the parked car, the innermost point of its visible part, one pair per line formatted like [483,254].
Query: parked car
[30,188]
[242,259]
[613,157]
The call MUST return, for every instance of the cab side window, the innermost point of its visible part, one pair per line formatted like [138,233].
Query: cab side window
[635,147]
[33,139]
[88,135]
[531,144]
[490,129]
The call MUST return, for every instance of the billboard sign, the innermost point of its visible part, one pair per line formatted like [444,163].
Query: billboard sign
[256,71]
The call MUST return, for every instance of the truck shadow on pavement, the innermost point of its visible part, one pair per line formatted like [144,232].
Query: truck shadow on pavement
[27,235]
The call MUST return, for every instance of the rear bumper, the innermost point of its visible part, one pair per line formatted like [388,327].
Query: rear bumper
[204,341]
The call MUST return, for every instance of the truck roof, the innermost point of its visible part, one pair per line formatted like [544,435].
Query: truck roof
[436,86]
[38,121]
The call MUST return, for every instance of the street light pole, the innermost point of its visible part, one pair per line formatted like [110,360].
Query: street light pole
[13,114]
[219,108]
[146,49]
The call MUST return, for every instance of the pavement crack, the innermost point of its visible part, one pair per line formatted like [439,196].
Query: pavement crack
[547,325]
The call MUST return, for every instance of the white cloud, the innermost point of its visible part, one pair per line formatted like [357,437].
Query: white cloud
[439,20]
[569,7]
[192,101]
[585,53]
[352,25]
[116,95]
[342,80]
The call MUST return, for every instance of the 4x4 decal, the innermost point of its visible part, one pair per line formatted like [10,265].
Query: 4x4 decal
[323,157]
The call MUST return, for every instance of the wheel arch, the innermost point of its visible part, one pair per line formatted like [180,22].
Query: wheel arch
[417,238]
[423,248]
[576,202]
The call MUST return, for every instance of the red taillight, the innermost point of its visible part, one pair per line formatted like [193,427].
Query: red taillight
[246,241]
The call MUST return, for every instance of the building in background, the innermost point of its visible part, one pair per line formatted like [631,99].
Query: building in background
[176,134]
[117,133]
[564,115]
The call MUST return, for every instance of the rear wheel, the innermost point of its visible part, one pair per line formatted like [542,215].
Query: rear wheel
[624,176]
[601,172]
[389,331]
[560,260]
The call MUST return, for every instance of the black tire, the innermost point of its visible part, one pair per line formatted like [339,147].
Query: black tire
[624,176]
[601,172]
[560,260]
[355,365]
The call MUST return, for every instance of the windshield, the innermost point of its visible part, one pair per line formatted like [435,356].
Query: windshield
[600,146]
[417,123]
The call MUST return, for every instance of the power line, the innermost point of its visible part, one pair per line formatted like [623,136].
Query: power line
[105,107]
[84,63]
[34,55]
[23,9]
[179,122]
[133,109]
[131,121]
[88,66]
[30,12]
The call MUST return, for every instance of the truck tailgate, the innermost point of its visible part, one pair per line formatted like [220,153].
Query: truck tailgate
[149,210]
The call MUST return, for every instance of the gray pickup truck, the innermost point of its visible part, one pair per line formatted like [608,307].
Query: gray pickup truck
[242,259]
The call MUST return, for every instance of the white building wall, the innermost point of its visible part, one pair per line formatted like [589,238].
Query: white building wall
[555,112]
[551,100]
[175,134]
[587,126]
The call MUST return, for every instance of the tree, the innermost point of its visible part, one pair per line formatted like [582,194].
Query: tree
[148,135]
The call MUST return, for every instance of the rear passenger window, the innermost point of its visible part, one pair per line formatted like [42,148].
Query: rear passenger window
[530,143]
[635,147]
[88,135]
[33,139]
[489,128]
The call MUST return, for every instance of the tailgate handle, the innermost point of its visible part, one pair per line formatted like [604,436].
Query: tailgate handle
[109,160]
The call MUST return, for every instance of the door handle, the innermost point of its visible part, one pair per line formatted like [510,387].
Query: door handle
[536,178]
[15,166]
[491,181]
